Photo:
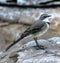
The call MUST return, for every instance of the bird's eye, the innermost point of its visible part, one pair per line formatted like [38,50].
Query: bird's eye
[48,23]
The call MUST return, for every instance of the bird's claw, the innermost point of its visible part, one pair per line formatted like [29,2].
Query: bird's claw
[41,47]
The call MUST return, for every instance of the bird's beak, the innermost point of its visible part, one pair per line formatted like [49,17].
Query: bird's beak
[49,16]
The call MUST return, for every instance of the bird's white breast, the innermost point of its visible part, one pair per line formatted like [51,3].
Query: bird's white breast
[41,32]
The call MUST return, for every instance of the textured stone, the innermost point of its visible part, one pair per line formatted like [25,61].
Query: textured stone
[51,54]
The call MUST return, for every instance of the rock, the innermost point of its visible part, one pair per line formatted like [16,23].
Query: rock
[41,59]
[28,52]
[32,55]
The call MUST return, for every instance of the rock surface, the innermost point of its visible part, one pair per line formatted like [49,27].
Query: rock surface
[28,53]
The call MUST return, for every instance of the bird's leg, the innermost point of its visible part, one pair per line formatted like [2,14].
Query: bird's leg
[35,38]
[39,46]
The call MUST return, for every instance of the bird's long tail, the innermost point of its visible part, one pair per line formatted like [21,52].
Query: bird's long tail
[21,37]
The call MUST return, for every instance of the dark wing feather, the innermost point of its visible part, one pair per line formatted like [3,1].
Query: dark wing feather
[35,28]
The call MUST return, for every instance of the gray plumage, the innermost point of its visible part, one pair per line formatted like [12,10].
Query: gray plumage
[39,26]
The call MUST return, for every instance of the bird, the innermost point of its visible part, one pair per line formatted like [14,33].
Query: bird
[37,29]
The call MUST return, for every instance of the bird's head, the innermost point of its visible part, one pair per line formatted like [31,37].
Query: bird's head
[43,16]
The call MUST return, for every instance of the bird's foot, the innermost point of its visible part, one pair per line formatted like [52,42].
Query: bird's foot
[40,47]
